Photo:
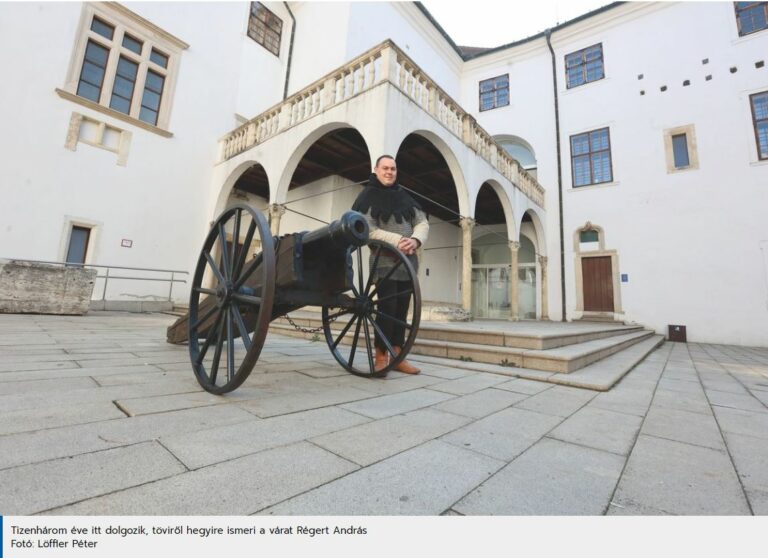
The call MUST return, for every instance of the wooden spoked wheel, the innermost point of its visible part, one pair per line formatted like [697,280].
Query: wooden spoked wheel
[352,338]
[231,299]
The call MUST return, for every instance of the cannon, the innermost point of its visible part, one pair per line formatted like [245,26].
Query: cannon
[238,289]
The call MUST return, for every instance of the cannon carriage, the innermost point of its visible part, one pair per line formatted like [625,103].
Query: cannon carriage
[238,289]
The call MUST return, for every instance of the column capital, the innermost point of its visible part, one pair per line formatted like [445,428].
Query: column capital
[277,209]
[467,223]
[543,261]
[514,245]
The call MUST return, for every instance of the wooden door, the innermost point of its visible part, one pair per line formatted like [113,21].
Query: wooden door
[597,282]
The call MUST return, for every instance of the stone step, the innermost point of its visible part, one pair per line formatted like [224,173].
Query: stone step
[599,376]
[564,359]
[526,335]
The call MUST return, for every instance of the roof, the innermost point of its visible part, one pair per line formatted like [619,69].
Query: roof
[469,52]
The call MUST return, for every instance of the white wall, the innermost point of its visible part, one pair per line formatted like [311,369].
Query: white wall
[689,241]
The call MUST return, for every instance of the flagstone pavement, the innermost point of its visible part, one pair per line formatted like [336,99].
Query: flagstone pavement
[98,415]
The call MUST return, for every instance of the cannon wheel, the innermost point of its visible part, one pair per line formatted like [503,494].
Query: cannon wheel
[243,293]
[361,319]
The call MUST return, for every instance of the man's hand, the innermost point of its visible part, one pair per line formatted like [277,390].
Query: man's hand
[408,246]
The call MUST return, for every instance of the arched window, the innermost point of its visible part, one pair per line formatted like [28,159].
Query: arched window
[521,150]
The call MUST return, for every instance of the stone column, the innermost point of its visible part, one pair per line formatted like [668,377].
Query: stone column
[544,288]
[467,224]
[276,211]
[514,303]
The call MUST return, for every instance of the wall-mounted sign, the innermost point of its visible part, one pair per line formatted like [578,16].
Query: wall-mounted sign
[625,277]
[125,243]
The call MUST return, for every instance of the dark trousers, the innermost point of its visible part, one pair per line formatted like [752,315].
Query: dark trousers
[396,305]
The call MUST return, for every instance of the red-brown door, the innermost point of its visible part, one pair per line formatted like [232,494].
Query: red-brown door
[597,281]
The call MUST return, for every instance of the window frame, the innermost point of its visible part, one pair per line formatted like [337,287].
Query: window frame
[689,131]
[755,122]
[583,64]
[493,91]
[738,10]
[125,22]
[590,153]
[268,30]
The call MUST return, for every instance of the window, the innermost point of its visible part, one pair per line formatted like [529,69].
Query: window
[680,149]
[78,245]
[265,28]
[591,158]
[759,102]
[584,66]
[751,16]
[494,92]
[124,66]
[588,236]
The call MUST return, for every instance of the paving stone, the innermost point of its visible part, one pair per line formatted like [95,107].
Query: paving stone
[468,384]
[725,385]
[94,373]
[397,403]
[162,403]
[27,420]
[293,402]
[256,481]
[750,456]
[743,401]
[559,401]
[31,447]
[503,435]
[626,508]
[681,479]
[551,478]
[425,480]
[680,385]
[691,402]
[758,499]
[683,426]
[371,442]
[737,421]
[198,449]
[528,387]
[624,400]
[600,429]
[377,386]
[43,386]
[481,403]
[34,488]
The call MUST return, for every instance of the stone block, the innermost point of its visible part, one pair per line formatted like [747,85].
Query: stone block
[600,429]
[683,426]
[397,403]
[551,478]
[239,487]
[425,480]
[32,288]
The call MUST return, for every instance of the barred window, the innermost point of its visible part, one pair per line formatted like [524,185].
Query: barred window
[265,28]
[591,158]
[584,66]
[494,92]
[751,16]
[759,102]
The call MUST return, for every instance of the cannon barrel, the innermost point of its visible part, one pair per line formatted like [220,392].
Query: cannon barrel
[350,230]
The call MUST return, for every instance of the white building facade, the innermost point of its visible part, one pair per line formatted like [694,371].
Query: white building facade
[141,122]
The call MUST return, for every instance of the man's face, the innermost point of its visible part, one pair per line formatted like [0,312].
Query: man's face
[386,171]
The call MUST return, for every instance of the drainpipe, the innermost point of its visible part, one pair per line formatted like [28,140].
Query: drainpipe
[290,51]
[548,34]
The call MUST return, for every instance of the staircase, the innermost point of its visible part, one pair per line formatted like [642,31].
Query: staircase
[585,354]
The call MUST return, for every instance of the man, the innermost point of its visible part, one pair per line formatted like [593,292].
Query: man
[396,218]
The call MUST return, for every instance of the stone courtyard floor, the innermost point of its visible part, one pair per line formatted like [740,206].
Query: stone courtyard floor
[98,415]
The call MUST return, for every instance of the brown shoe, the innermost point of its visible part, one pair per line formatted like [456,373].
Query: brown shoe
[405,367]
[382,360]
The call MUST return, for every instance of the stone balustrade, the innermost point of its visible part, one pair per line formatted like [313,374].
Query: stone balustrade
[384,62]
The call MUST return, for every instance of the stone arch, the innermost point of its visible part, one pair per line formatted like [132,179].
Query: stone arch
[506,204]
[457,174]
[520,149]
[538,227]
[229,185]
[279,194]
